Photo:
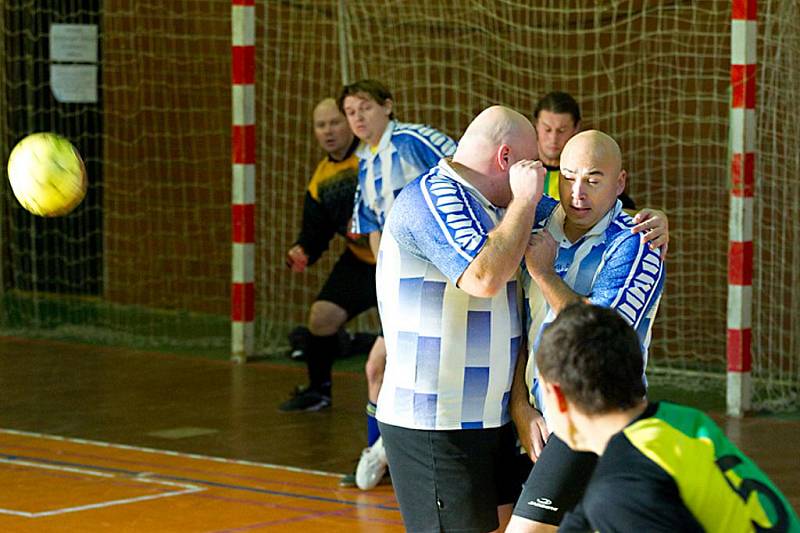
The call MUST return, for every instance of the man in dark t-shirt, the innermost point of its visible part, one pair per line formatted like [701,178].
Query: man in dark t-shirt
[662,466]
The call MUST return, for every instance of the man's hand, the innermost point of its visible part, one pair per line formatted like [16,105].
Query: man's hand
[541,254]
[532,431]
[296,258]
[526,178]
[655,228]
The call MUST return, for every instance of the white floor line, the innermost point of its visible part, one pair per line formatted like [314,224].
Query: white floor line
[187,489]
[170,453]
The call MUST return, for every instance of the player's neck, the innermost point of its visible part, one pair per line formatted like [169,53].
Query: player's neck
[607,425]
[552,163]
[375,142]
[479,180]
[573,232]
[340,155]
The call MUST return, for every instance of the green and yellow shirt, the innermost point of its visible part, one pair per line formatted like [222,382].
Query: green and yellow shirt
[673,469]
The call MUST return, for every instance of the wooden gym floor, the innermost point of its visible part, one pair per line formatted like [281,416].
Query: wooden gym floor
[106,439]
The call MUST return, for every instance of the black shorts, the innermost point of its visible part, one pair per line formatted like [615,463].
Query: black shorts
[350,285]
[452,480]
[556,483]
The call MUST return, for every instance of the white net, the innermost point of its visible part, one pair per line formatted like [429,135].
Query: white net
[654,74]
[147,256]
[145,259]
[776,280]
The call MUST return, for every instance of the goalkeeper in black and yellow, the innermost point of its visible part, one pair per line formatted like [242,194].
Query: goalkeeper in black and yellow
[662,466]
[350,287]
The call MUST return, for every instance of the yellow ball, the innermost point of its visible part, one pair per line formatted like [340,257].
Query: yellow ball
[47,174]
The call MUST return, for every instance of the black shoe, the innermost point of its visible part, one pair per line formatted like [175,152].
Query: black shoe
[306,399]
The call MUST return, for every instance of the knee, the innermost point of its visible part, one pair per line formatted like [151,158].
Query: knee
[325,319]
[374,369]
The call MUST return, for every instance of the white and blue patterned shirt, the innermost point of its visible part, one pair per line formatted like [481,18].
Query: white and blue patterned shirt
[450,356]
[609,265]
[404,152]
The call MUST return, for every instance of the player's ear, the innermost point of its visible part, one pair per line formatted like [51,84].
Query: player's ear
[621,179]
[388,106]
[561,400]
[503,156]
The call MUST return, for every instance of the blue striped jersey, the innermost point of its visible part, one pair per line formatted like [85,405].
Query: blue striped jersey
[404,152]
[609,265]
[450,356]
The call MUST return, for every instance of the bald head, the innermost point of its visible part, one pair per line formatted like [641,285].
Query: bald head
[592,148]
[492,128]
[591,179]
[326,104]
[331,129]
[495,140]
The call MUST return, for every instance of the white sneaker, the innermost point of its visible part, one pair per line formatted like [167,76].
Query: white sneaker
[371,466]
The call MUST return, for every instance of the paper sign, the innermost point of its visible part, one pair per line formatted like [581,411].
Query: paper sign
[73,42]
[74,83]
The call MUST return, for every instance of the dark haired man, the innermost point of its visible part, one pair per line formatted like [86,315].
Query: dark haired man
[391,154]
[557,118]
[663,466]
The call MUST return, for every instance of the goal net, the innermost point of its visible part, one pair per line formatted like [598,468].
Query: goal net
[146,259]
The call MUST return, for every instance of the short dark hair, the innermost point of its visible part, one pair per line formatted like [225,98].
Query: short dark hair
[595,357]
[373,88]
[558,102]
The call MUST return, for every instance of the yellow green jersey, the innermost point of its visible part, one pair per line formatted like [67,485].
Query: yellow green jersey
[673,469]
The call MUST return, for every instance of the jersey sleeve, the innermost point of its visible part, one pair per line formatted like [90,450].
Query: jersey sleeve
[317,229]
[436,146]
[630,280]
[433,219]
[422,147]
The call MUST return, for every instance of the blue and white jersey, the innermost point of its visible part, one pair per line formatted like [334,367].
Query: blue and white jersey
[404,152]
[609,265]
[450,356]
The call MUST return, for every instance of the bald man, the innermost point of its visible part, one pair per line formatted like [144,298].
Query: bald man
[450,308]
[350,287]
[582,249]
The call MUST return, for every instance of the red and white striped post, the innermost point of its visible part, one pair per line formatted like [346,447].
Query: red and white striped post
[740,250]
[243,147]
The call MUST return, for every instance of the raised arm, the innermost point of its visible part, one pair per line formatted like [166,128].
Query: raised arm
[505,245]
[539,260]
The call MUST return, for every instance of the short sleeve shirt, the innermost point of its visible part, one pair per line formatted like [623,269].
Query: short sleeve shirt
[404,152]
[450,356]
[609,265]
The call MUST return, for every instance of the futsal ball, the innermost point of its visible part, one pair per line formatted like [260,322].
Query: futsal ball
[47,174]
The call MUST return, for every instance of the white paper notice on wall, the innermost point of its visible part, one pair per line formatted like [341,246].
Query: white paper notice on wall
[74,83]
[75,43]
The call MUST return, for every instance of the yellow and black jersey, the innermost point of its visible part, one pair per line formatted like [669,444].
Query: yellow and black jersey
[551,188]
[328,208]
[673,469]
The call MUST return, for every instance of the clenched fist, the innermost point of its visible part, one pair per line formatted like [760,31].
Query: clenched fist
[526,178]
[296,258]
[541,254]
